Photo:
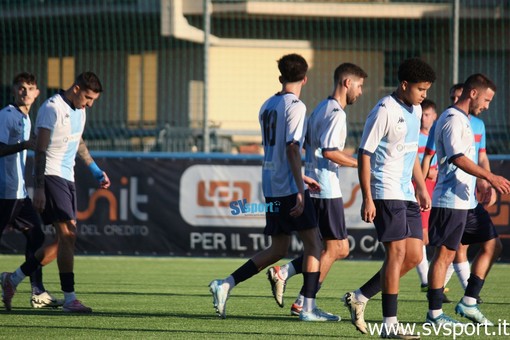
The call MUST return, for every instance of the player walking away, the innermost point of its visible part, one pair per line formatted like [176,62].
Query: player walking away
[428,117]
[456,216]
[388,161]
[324,144]
[282,121]
[16,208]
[460,263]
[59,128]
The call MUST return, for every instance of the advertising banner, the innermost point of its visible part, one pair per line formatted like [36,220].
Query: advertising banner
[200,205]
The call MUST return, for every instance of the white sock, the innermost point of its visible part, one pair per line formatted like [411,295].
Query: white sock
[299,300]
[309,304]
[449,273]
[360,297]
[423,268]
[434,313]
[463,271]
[69,297]
[230,282]
[17,277]
[468,300]
[287,271]
[390,321]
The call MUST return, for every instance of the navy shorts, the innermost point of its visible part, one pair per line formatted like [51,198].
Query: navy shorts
[19,214]
[446,227]
[397,220]
[60,200]
[331,218]
[479,227]
[280,222]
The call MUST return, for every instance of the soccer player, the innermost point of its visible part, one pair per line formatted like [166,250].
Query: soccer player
[428,117]
[460,263]
[282,121]
[456,216]
[59,128]
[387,161]
[16,207]
[324,144]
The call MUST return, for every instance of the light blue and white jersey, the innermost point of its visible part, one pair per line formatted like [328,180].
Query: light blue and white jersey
[66,125]
[390,137]
[14,128]
[282,121]
[454,137]
[326,131]
[478,127]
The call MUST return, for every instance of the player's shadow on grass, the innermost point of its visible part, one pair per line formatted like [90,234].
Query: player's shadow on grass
[128,293]
[209,333]
[126,314]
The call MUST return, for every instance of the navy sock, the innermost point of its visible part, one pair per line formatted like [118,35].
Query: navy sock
[36,281]
[372,286]
[67,282]
[30,265]
[310,284]
[389,304]
[302,291]
[244,272]
[435,297]
[474,286]
[298,264]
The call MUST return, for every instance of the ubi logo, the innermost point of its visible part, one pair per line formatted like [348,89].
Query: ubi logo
[129,200]
[221,193]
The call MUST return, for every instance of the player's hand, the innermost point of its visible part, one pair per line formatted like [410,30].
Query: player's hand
[368,211]
[493,198]
[105,183]
[485,193]
[501,184]
[297,210]
[423,199]
[39,200]
[313,185]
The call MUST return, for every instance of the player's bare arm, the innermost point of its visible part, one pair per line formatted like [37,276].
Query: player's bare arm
[340,158]
[101,176]
[501,184]
[485,193]
[43,140]
[294,157]
[422,194]
[367,205]
[83,152]
[313,185]
[427,171]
